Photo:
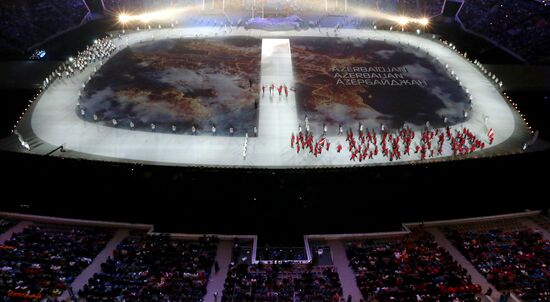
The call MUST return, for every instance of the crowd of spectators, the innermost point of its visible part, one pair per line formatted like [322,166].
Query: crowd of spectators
[99,50]
[281,253]
[154,268]
[25,23]
[430,8]
[41,261]
[408,8]
[411,8]
[135,6]
[522,26]
[409,269]
[278,282]
[285,283]
[515,260]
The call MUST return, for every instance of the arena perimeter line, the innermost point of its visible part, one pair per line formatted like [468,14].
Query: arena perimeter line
[55,122]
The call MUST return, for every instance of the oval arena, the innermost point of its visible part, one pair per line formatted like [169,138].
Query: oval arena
[274,150]
[64,117]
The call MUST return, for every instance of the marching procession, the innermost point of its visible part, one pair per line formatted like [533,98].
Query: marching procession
[366,144]
[99,50]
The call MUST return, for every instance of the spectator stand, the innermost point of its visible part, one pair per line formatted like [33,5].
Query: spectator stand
[432,8]
[518,27]
[154,267]
[6,224]
[43,260]
[278,280]
[492,41]
[173,273]
[27,24]
[56,224]
[415,265]
[513,255]
[11,226]
[406,230]
[347,276]
[542,221]
[477,277]
[321,253]
[509,222]
[241,256]
[535,227]
[224,259]
[252,276]
[273,255]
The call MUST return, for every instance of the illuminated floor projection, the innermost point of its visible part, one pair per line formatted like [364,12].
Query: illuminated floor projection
[350,81]
[181,83]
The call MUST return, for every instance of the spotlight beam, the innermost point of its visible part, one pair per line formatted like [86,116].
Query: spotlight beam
[159,15]
[367,12]
[360,11]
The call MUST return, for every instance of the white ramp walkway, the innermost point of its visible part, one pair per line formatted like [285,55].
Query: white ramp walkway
[15,229]
[278,117]
[347,277]
[217,281]
[95,266]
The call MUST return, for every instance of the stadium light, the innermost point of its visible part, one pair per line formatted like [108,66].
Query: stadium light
[424,21]
[159,15]
[403,20]
[123,18]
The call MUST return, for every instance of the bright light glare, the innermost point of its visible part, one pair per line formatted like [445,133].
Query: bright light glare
[170,14]
[403,20]
[123,18]
[160,15]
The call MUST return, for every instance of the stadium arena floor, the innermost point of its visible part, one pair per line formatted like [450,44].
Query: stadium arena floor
[55,120]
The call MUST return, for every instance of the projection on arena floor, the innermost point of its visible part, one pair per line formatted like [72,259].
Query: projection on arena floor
[205,82]
[343,81]
[180,82]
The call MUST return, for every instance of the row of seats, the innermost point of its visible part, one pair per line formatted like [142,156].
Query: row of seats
[154,268]
[523,26]
[410,269]
[516,260]
[42,261]
[284,282]
[27,22]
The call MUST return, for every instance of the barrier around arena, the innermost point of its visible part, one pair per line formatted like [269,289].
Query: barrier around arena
[76,222]
[149,228]
[406,227]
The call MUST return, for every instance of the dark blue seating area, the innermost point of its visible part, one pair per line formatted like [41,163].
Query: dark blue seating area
[409,269]
[6,224]
[154,268]
[511,260]
[28,22]
[41,262]
[522,26]
[284,282]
